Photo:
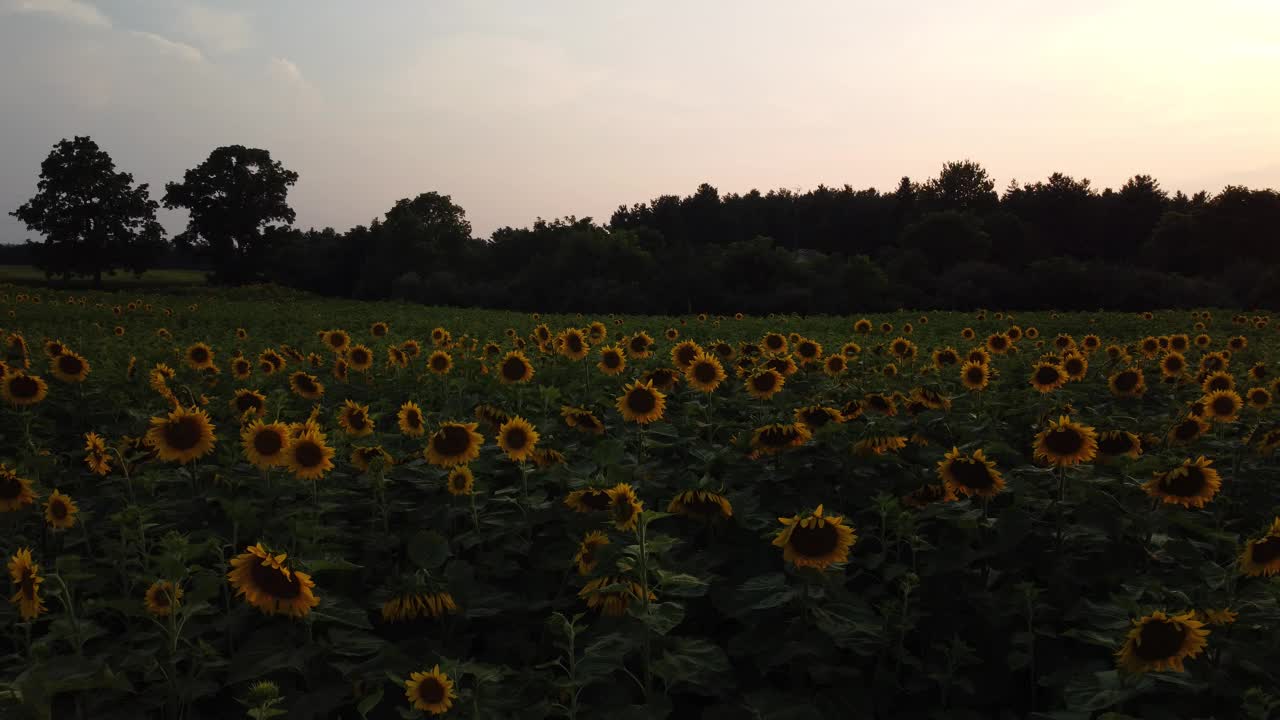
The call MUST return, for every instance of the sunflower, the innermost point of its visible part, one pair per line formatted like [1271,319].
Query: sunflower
[970,474]
[411,347]
[60,511]
[1128,383]
[879,445]
[585,558]
[339,370]
[835,365]
[409,418]
[182,436]
[440,362]
[306,386]
[1066,443]
[1238,343]
[24,572]
[816,416]
[1191,484]
[1219,380]
[723,350]
[96,456]
[1222,406]
[162,598]
[518,439]
[683,354]
[765,383]
[15,491]
[199,356]
[379,329]
[265,443]
[354,419]
[705,372]
[612,595]
[581,419]
[453,444]
[461,481]
[588,500]
[1149,346]
[69,367]
[1047,377]
[672,334]
[815,540]
[1261,557]
[573,344]
[998,343]
[701,505]
[1215,361]
[270,585]
[1119,443]
[625,506]
[862,326]
[975,376]
[928,494]
[414,605]
[492,417]
[1075,366]
[945,357]
[774,343]
[880,403]
[612,360]
[337,340]
[777,437]
[1187,430]
[597,331]
[515,368]
[810,351]
[241,368]
[641,403]
[1162,642]
[1259,398]
[1173,365]
[21,390]
[308,456]
[52,348]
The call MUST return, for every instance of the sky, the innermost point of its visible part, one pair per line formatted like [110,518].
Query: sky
[520,109]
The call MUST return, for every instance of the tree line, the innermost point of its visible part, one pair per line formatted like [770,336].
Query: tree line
[951,241]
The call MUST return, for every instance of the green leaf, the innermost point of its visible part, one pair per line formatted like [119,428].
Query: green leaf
[681,584]
[664,616]
[369,702]
[694,663]
[428,549]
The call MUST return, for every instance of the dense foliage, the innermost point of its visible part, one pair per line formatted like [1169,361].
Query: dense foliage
[253,502]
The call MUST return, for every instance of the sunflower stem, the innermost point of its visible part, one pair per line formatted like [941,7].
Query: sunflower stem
[642,535]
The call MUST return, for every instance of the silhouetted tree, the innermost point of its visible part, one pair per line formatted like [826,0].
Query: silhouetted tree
[93,218]
[234,199]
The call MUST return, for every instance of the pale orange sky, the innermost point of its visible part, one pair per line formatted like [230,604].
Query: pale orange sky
[520,109]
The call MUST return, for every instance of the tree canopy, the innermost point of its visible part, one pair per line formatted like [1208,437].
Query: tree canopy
[94,219]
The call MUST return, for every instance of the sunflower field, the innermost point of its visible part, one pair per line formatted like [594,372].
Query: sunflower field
[256,503]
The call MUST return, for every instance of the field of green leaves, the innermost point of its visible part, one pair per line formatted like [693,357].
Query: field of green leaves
[255,503]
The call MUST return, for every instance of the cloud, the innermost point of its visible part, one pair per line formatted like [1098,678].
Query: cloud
[216,30]
[69,10]
[286,70]
[170,47]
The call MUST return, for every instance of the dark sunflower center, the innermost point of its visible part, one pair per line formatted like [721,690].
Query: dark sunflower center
[305,385]
[773,342]
[612,360]
[623,508]
[708,505]
[337,341]
[273,583]
[1223,405]
[517,438]
[183,433]
[641,401]
[308,454]
[459,481]
[878,402]
[199,355]
[974,375]
[1159,639]
[357,420]
[10,487]
[574,343]
[451,440]
[360,357]
[764,382]
[1126,381]
[1219,383]
[776,437]
[808,349]
[160,597]
[638,345]
[947,358]
[513,369]
[587,420]
[814,542]
[1173,364]
[1188,484]
[1265,551]
[1115,444]
[58,510]
[1074,366]
[242,366]
[412,419]
[1047,375]
[815,418]
[999,342]
[439,362]
[23,387]
[431,691]
[1150,346]
[685,354]
[704,372]
[268,442]
[70,364]
[1187,430]
[972,474]
[1064,441]
[595,499]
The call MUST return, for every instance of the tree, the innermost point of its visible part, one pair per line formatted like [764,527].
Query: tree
[93,218]
[234,197]
[965,186]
